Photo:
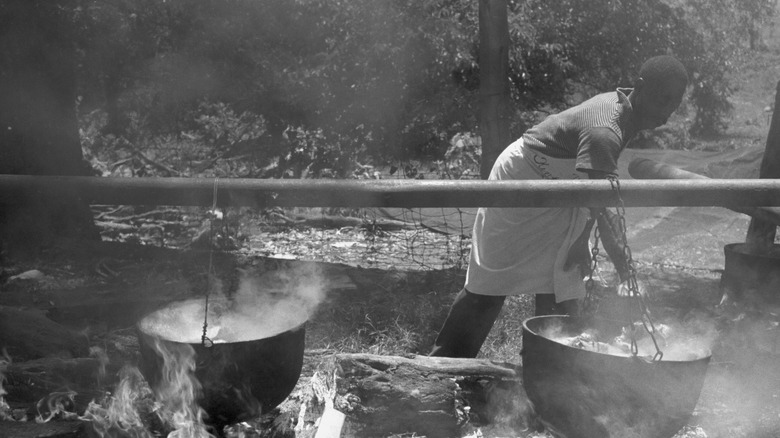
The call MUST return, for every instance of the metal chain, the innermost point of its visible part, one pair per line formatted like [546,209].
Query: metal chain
[204,339]
[633,286]
[590,305]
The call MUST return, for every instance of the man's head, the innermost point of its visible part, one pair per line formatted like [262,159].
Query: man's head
[658,91]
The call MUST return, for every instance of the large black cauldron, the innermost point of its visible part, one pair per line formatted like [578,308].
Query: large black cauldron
[239,379]
[584,394]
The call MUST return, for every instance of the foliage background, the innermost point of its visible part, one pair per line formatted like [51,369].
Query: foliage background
[310,88]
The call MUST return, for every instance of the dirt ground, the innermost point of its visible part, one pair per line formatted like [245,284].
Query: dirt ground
[98,291]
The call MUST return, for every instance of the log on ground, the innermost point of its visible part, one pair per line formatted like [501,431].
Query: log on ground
[435,397]
[54,429]
[29,334]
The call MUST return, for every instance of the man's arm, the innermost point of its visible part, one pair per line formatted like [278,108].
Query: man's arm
[610,232]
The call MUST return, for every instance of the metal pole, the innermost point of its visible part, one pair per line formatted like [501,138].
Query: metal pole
[644,168]
[262,193]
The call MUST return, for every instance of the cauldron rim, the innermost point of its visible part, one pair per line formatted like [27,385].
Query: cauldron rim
[138,325]
[705,357]
[217,344]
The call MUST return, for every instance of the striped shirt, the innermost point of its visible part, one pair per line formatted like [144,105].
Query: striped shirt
[593,132]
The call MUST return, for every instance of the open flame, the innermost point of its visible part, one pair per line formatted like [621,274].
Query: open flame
[5,409]
[118,414]
[178,391]
[126,413]
[56,405]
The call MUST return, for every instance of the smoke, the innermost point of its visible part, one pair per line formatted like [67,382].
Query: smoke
[743,383]
[269,304]
[298,290]
[262,306]
[689,339]
[678,340]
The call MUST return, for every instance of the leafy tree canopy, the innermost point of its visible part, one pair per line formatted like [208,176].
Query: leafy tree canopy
[323,84]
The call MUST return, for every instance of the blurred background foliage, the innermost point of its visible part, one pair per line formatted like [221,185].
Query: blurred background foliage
[310,88]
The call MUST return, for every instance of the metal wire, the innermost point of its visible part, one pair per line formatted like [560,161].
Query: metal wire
[204,339]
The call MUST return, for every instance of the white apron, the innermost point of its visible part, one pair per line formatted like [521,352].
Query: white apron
[523,250]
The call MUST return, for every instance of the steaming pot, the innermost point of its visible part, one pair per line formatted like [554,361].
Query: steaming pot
[585,394]
[239,379]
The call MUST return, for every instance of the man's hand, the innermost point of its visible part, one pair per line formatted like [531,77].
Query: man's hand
[624,289]
[612,237]
[611,231]
[579,252]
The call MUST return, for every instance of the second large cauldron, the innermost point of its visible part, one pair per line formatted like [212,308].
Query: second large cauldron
[585,394]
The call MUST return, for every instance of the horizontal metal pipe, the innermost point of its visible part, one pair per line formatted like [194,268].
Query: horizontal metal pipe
[394,193]
[645,168]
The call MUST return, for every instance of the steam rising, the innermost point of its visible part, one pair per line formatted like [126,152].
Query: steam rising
[678,340]
[261,307]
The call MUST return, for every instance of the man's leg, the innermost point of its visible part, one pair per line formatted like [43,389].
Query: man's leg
[467,325]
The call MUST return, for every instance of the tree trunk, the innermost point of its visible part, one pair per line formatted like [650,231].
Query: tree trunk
[39,127]
[493,81]
[761,234]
